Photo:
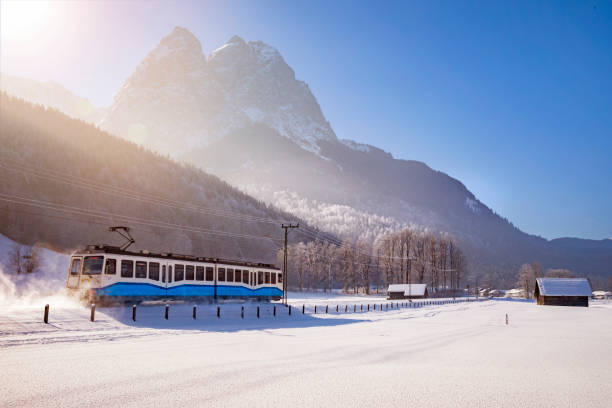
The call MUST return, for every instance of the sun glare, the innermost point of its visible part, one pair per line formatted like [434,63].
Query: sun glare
[22,18]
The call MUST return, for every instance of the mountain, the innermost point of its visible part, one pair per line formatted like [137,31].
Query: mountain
[241,114]
[177,99]
[52,95]
[64,182]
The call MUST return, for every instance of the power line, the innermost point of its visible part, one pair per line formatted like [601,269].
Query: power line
[131,219]
[131,194]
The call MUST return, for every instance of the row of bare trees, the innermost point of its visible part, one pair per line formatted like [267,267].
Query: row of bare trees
[408,256]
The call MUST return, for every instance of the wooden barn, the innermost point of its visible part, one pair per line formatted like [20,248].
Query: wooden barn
[563,291]
[407,291]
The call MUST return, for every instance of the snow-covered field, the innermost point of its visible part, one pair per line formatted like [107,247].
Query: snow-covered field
[434,355]
[449,355]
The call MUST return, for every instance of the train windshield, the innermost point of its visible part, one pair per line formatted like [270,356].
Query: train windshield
[93,265]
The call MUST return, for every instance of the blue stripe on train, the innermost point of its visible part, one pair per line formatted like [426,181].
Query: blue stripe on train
[132,289]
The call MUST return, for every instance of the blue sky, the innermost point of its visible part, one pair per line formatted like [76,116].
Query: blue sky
[512,98]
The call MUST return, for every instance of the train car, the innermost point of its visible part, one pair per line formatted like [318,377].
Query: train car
[108,274]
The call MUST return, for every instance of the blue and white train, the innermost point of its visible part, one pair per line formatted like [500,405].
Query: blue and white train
[108,274]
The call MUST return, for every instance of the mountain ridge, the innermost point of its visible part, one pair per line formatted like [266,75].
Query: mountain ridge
[241,114]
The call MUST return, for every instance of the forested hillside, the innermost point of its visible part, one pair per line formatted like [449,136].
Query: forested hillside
[64,182]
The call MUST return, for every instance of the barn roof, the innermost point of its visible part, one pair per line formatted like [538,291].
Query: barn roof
[564,287]
[413,289]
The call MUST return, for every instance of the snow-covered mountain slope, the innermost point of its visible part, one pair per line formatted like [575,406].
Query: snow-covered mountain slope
[52,95]
[241,114]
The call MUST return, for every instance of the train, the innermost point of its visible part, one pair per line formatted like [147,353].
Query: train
[110,274]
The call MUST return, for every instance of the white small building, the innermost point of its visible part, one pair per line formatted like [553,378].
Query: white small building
[600,294]
[515,293]
[407,291]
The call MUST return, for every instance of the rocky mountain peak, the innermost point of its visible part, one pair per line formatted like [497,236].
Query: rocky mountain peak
[181,39]
[236,39]
[203,99]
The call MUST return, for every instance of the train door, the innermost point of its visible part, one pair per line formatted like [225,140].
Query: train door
[164,277]
[215,279]
[74,272]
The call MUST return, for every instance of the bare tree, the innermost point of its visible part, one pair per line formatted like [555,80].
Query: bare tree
[526,279]
[364,262]
[15,259]
[31,259]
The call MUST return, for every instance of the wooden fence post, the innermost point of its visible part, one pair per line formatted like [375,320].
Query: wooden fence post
[218,312]
[258,312]
[167,312]
[134,312]
[46,315]
[242,312]
[93,312]
[195,311]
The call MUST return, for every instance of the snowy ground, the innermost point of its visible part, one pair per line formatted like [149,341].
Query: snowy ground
[446,355]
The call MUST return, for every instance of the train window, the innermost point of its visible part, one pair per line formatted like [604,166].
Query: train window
[260,278]
[179,272]
[280,278]
[76,266]
[230,275]
[245,277]
[164,273]
[273,276]
[93,265]
[189,274]
[111,266]
[200,273]
[238,275]
[267,277]
[127,269]
[210,272]
[154,271]
[141,269]
[169,273]
[221,273]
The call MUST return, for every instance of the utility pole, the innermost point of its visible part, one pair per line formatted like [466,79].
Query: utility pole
[285,281]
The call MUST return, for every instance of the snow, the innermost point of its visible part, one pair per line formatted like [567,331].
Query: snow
[472,204]
[452,354]
[255,114]
[355,145]
[564,287]
[49,278]
[264,52]
[449,355]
